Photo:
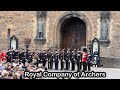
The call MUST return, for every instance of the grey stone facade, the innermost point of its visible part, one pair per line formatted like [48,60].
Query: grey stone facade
[23,24]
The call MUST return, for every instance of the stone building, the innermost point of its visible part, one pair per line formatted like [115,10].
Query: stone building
[73,29]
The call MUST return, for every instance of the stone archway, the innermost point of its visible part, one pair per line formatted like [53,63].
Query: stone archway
[66,15]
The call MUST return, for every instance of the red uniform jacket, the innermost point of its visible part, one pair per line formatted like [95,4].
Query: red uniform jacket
[3,56]
[84,57]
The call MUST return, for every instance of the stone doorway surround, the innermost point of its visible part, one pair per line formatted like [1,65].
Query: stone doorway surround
[66,15]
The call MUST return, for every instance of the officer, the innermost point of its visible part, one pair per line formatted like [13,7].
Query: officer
[49,55]
[51,60]
[62,58]
[11,55]
[69,50]
[56,57]
[67,59]
[84,59]
[20,55]
[89,60]
[16,54]
[18,50]
[73,58]
[79,60]
[8,56]
[35,59]
[40,56]
[44,56]
[29,56]
[23,55]
[81,52]
[37,54]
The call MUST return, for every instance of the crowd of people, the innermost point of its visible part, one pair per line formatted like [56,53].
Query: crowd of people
[14,63]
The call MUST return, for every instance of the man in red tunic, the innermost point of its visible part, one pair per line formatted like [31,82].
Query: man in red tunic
[84,59]
[3,55]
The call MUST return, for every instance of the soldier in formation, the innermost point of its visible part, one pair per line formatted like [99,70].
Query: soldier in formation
[67,59]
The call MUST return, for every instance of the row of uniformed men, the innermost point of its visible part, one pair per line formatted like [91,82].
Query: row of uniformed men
[64,57]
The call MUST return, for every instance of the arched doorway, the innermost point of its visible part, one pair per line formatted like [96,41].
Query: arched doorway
[73,33]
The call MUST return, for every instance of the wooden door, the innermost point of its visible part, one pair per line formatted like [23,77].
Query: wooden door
[73,33]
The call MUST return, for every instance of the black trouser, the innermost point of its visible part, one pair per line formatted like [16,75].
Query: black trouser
[29,60]
[23,61]
[48,63]
[8,59]
[73,65]
[44,63]
[78,65]
[51,64]
[62,64]
[67,64]
[88,65]
[84,66]
[40,61]
[56,65]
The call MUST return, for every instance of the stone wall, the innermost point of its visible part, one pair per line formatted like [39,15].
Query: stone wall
[20,23]
[53,18]
[113,50]
[110,62]
[23,24]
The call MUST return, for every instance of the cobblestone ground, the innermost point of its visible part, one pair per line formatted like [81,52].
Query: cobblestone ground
[111,73]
